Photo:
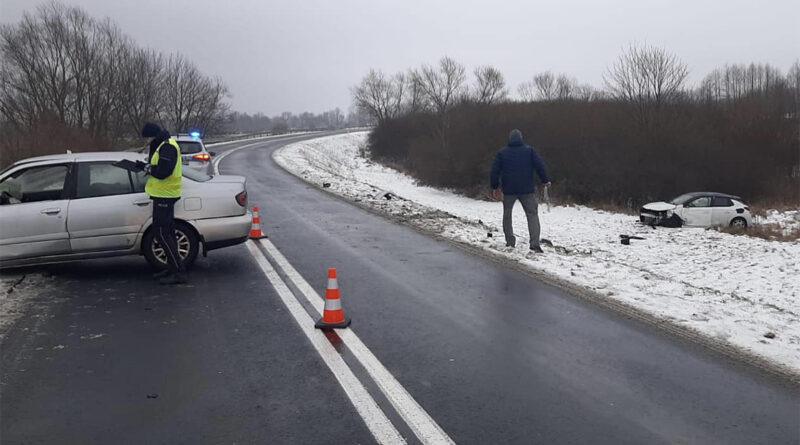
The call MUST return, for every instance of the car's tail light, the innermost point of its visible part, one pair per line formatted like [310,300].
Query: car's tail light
[241,199]
[205,157]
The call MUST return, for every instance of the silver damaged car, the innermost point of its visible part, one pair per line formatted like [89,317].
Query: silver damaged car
[80,206]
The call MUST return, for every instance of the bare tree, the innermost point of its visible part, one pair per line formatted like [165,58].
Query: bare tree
[793,82]
[566,87]
[61,65]
[735,82]
[648,77]
[415,99]
[379,95]
[140,86]
[527,91]
[545,85]
[442,86]
[490,86]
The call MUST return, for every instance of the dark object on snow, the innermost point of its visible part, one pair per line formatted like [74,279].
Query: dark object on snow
[546,242]
[489,234]
[385,195]
[769,335]
[626,239]
[326,185]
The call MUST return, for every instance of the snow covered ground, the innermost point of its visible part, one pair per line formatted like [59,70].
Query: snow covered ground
[733,290]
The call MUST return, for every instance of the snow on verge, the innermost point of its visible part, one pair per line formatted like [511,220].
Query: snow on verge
[17,293]
[733,290]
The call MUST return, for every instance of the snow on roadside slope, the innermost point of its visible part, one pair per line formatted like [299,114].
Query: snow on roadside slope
[734,289]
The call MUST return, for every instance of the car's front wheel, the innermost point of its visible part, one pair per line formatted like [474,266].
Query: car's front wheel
[185,238]
[739,223]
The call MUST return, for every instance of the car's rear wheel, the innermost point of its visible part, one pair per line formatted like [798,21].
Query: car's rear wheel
[186,240]
[739,223]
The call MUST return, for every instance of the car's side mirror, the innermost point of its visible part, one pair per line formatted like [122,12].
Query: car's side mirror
[212,153]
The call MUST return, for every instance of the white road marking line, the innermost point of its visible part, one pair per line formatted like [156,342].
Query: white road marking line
[375,419]
[223,155]
[420,422]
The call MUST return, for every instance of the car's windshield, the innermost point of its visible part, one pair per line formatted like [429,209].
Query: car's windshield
[190,147]
[683,199]
[195,175]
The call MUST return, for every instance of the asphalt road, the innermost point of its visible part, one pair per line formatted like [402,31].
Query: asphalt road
[493,355]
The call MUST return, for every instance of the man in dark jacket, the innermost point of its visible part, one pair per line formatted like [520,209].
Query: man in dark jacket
[164,187]
[513,168]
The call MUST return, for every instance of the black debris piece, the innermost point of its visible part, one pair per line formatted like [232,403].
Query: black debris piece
[326,185]
[152,396]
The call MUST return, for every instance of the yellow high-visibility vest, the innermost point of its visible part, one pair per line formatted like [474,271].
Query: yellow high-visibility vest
[169,187]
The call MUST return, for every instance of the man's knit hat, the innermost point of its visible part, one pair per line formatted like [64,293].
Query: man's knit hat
[150,130]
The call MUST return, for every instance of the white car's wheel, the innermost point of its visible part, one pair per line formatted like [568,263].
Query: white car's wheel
[739,223]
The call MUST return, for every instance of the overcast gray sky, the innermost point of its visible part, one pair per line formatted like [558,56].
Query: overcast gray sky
[304,55]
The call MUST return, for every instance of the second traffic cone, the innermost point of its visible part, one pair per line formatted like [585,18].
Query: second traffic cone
[333,315]
[255,231]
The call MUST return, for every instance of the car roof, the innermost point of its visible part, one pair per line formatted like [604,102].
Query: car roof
[83,157]
[186,138]
[717,194]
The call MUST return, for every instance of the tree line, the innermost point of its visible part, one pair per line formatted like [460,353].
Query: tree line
[335,119]
[71,78]
[645,134]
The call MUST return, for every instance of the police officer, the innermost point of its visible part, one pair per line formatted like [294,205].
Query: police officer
[164,188]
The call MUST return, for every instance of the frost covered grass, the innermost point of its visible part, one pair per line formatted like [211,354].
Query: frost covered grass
[737,290]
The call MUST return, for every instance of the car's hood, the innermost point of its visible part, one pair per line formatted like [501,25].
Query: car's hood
[659,206]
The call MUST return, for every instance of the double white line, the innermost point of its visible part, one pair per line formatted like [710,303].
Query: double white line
[419,421]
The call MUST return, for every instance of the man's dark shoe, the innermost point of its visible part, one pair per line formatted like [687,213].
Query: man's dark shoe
[178,278]
[537,249]
[161,274]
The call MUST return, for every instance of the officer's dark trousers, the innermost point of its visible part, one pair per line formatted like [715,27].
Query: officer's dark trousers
[164,231]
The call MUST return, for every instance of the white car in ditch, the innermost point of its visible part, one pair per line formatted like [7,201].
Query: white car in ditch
[80,206]
[699,209]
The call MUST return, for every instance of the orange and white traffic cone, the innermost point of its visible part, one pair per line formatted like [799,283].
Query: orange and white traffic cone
[333,315]
[255,231]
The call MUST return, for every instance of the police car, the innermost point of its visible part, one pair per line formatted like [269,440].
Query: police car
[194,153]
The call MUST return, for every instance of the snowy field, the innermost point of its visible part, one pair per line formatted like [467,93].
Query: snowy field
[732,290]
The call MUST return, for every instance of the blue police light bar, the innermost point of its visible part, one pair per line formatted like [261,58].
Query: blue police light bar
[195,134]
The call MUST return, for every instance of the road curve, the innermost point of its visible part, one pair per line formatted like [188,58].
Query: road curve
[498,357]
